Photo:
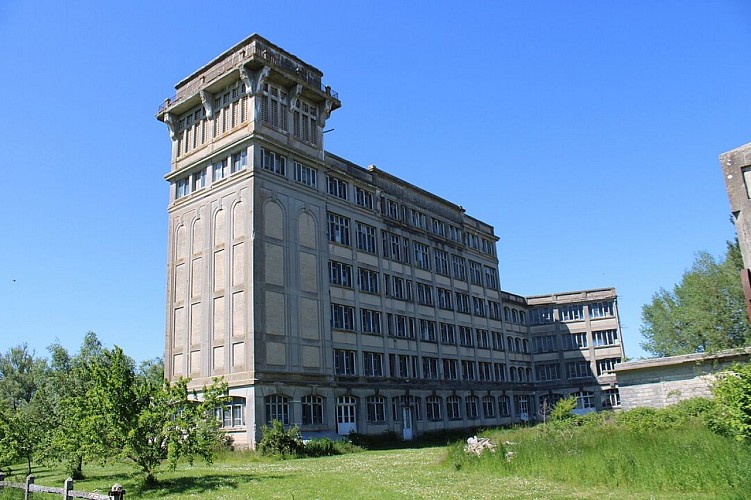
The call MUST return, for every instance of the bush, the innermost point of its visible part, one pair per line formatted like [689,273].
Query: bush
[276,441]
[733,393]
[325,447]
[563,409]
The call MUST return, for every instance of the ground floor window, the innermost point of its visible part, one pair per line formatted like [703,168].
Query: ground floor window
[232,414]
[488,406]
[611,398]
[471,406]
[277,408]
[453,407]
[376,409]
[433,407]
[585,400]
[503,406]
[312,410]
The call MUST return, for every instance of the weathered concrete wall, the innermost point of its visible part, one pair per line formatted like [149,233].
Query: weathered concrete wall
[660,382]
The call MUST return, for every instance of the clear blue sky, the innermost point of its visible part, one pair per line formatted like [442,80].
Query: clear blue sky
[587,133]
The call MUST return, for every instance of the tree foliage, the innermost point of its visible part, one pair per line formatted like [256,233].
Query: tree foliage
[705,312]
[733,395]
[141,417]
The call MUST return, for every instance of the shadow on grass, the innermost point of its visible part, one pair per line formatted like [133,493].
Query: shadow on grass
[198,485]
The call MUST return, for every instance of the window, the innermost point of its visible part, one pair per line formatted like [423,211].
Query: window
[460,267]
[439,228]
[441,262]
[392,246]
[485,370]
[475,273]
[274,107]
[478,306]
[312,410]
[462,303]
[304,121]
[364,198]
[273,162]
[403,327]
[585,400]
[340,274]
[422,259]
[521,405]
[453,407]
[468,370]
[604,337]
[219,170]
[376,409]
[231,414]
[433,407]
[406,366]
[497,341]
[427,330]
[510,344]
[392,209]
[367,280]
[366,237]
[425,294]
[541,316]
[465,336]
[606,365]
[448,336]
[573,341]
[398,290]
[199,180]
[488,247]
[514,316]
[429,368]
[450,369]
[578,369]
[445,299]
[494,309]
[522,318]
[277,408]
[370,321]
[571,313]
[545,343]
[455,234]
[547,402]
[471,404]
[488,406]
[547,372]
[342,317]
[601,309]
[611,398]
[483,338]
[306,175]
[491,278]
[499,370]
[239,161]
[182,188]
[336,187]
[344,362]
[503,406]
[419,220]
[338,229]
[372,363]
[399,402]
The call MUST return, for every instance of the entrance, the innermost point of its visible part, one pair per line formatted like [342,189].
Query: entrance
[407,423]
[346,422]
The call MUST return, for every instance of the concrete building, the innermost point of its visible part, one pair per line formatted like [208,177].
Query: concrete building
[343,298]
[660,382]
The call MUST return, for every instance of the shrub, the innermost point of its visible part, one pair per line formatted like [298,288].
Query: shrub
[277,441]
[733,393]
[563,409]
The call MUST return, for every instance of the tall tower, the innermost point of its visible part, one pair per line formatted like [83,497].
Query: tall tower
[242,296]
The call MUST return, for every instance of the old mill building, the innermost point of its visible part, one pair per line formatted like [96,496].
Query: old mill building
[342,298]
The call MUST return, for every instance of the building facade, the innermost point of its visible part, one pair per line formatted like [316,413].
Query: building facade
[343,298]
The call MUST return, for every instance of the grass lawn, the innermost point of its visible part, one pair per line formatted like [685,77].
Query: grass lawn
[405,473]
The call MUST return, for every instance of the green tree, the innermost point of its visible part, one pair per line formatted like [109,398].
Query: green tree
[67,406]
[22,429]
[733,396]
[705,312]
[142,418]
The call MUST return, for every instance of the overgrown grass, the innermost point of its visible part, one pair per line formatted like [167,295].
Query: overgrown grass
[660,451]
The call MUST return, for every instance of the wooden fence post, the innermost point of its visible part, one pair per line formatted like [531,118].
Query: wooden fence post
[67,488]
[27,490]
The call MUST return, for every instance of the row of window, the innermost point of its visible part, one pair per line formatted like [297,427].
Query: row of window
[584,400]
[409,366]
[571,312]
[397,248]
[277,407]
[573,341]
[217,170]
[229,110]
